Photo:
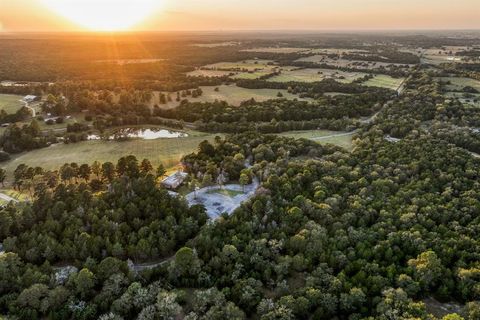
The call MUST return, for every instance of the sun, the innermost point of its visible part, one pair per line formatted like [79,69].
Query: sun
[104,15]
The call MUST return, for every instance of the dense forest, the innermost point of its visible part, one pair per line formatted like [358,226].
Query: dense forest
[325,237]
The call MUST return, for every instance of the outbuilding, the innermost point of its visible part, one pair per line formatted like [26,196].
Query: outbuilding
[175,180]
[29,98]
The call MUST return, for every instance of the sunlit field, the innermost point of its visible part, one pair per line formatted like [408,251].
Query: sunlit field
[10,103]
[341,139]
[384,81]
[230,93]
[165,151]
[315,75]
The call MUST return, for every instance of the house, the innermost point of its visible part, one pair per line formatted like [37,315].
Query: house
[174,180]
[29,98]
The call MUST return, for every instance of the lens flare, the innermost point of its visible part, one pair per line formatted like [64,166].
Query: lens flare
[104,15]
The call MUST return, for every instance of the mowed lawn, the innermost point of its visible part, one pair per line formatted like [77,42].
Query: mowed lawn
[165,151]
[10,102]
[338,138]
[384,81]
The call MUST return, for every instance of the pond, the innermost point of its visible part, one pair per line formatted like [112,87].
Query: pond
[145,134]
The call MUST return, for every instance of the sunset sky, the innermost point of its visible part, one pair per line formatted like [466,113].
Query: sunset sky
[158,15]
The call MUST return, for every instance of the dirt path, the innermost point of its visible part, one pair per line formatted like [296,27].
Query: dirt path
[3,196]
[336,135]
[150,265]
[475,155]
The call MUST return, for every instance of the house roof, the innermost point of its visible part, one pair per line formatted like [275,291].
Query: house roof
[29,97]
[175,179]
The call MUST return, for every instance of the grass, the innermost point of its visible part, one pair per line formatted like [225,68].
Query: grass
[333,94]
[313,75]
[472,99]
[384,81]
[78,117]
[226,192]
[129,61]
[209,73]
[232,94]
[251,74]
[216,44]
[323,136]
[276,50]
[436,59]
[338,51]
[436,56]
[343,63]
[165,151]
[10,103]
[458,83]
[247,65]
[14,194]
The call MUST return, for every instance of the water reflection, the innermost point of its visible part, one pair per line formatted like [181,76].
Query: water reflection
[145,134]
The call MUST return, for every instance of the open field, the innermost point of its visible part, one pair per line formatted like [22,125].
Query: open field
[384,81]
[277,50]
[445,54]
[313,75]
[458,83]
[10,102]
[251,74]
[122,62]
[338,51]
[323,51]
[232,94]
[232,74]
[438,59]
[166,151]
[244,66]
[467,98]
[210,73]
[216,44]
[333,94]
[341,139]
[344,63]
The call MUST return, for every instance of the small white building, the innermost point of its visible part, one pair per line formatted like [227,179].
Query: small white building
[29,98]
[174,180]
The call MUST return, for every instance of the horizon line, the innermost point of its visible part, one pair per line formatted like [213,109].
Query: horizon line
[295,30]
